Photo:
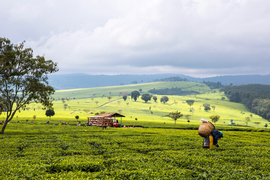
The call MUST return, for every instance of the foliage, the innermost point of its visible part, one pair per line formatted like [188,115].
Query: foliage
[172,91]
[77,117]
[175,115]
[174,78]
[213,85]
[247,120]
[190,102]
[109,97]
[155,98]
[50,112]
[164,99]
[206,106]
[125,97]
[135,95]
[254,96]
[23,78]
[146,97]
[214,118]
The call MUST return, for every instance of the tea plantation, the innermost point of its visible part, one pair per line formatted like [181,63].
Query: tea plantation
[47,151]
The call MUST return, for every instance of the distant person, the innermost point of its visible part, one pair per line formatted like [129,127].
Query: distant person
[47,122]
[32,122]
[216,135]
[18,121]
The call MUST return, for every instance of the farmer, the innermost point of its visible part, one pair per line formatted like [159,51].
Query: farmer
[216,135]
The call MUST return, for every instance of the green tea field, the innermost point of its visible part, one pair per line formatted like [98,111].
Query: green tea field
[33,151]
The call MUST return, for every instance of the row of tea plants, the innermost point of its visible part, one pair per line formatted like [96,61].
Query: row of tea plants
[67,152]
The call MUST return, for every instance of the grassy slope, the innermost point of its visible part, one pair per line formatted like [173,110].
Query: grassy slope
[140,110]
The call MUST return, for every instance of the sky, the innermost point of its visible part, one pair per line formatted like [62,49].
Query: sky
[191,37]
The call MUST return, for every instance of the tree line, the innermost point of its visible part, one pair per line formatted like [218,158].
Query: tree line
[213,85]
[174,78]
[172,91]
[256,97]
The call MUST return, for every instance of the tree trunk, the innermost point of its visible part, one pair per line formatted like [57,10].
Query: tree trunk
[4,127]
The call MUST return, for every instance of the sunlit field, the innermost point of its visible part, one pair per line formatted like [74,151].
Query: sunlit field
[88,102]
[32,151]
[150,146]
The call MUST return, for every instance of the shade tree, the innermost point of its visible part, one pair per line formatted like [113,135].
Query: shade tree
[206,106]
[146,97]
[175,115]
[23,78]
[214,118]
[135,95]
[50,113]
[125,97]
[190,102]
[164,99]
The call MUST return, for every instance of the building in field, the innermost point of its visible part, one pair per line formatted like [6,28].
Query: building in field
[109,119]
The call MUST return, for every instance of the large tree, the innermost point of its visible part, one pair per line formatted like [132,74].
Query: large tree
[146,97]
[50,113]
[23,78]
[125,97]
[190,102]
[206,106]
[175,115]
[135,95]
[164,99]
[214,118]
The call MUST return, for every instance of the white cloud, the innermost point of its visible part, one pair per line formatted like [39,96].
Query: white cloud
[189,37]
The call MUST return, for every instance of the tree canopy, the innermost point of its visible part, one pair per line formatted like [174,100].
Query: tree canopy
[50,112]
[146,97]
[125,97]
[164,99]
[135,95]
[175,115]
[254,96]
[23,78]
[214,118]
[206,106]
[190,102]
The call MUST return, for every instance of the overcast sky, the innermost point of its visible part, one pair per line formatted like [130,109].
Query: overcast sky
[190,37]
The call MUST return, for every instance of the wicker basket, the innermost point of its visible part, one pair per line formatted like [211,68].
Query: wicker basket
[205,129]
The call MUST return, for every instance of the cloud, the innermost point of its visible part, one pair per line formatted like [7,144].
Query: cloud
[199,38]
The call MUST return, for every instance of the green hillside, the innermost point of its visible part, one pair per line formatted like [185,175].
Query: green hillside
[86,102]
[116,90]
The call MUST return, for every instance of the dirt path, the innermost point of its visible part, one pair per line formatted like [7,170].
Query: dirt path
[105,104]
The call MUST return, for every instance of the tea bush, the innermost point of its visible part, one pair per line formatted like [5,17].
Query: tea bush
[70,152]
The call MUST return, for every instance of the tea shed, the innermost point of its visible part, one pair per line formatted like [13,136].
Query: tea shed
[104,118]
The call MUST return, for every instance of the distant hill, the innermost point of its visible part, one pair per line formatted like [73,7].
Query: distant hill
[74,81]
[238,80]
